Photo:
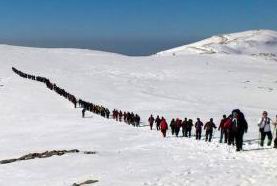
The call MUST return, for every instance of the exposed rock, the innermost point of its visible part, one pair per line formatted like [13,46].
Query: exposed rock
[85,183]
[45,154]
[7,161]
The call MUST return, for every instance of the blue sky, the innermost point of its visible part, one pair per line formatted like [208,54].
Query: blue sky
[133,27]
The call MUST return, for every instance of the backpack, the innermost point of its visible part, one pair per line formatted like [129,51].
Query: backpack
[228,124]
[163,125]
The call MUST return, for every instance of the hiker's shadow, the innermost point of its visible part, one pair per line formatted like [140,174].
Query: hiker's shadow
[251,140]
[144,125]
[257,149]
[88,117]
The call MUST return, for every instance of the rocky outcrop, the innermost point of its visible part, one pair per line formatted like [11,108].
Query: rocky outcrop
[85,183]
[45,154]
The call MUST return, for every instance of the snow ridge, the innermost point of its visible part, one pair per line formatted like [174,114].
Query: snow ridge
[262,43]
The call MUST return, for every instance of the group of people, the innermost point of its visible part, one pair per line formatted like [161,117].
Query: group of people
[96,109]
[128,117]
[232,128]
[184,126]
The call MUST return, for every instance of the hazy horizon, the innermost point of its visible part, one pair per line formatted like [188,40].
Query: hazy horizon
[126,47]
[128,27]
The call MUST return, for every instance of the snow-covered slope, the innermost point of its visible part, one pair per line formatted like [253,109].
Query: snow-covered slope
[34,119]
[261,43]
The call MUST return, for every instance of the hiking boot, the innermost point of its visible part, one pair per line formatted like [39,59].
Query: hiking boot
[262,143]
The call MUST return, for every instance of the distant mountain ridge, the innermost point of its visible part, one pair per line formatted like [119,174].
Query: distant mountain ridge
[255,43]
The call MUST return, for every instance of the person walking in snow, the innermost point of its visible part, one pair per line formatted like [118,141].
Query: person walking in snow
[223,131]
[209,126]
[265,130]
[198,129]
[83,113]
[115,114]
[229,133]
[184,126]
[163,126]
[107,113]
[151,121]
[120,115]
[74,101]
[173,126]
[189,128]
[239,127]
[158,122]
[137,120]
[178,126]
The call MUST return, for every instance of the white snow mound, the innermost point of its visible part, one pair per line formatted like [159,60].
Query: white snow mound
[255,43]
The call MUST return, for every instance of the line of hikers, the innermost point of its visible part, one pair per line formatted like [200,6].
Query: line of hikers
[232,128]
[129,117]
[49,85]
[184,126]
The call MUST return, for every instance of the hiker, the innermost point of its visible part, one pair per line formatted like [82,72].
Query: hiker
[158,122]
[164,126]
[115,114]
[128,118]
[83,112]
[178,126]
[198,128]
[74,101]
[223,131]
[275,125]
[184,126]
[132,119]
[173,126]
[239,127]
[151,121]
[120,115]
[137,120]
[264,128]
[228,128]
[125,117]
[107,113]
[209,126]
[189,128]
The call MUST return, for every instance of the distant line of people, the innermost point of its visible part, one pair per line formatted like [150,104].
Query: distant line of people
[129,117]
[49,85]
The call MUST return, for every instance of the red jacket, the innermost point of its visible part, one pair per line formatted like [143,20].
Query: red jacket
[228,124]
[164,125]
[223,121]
